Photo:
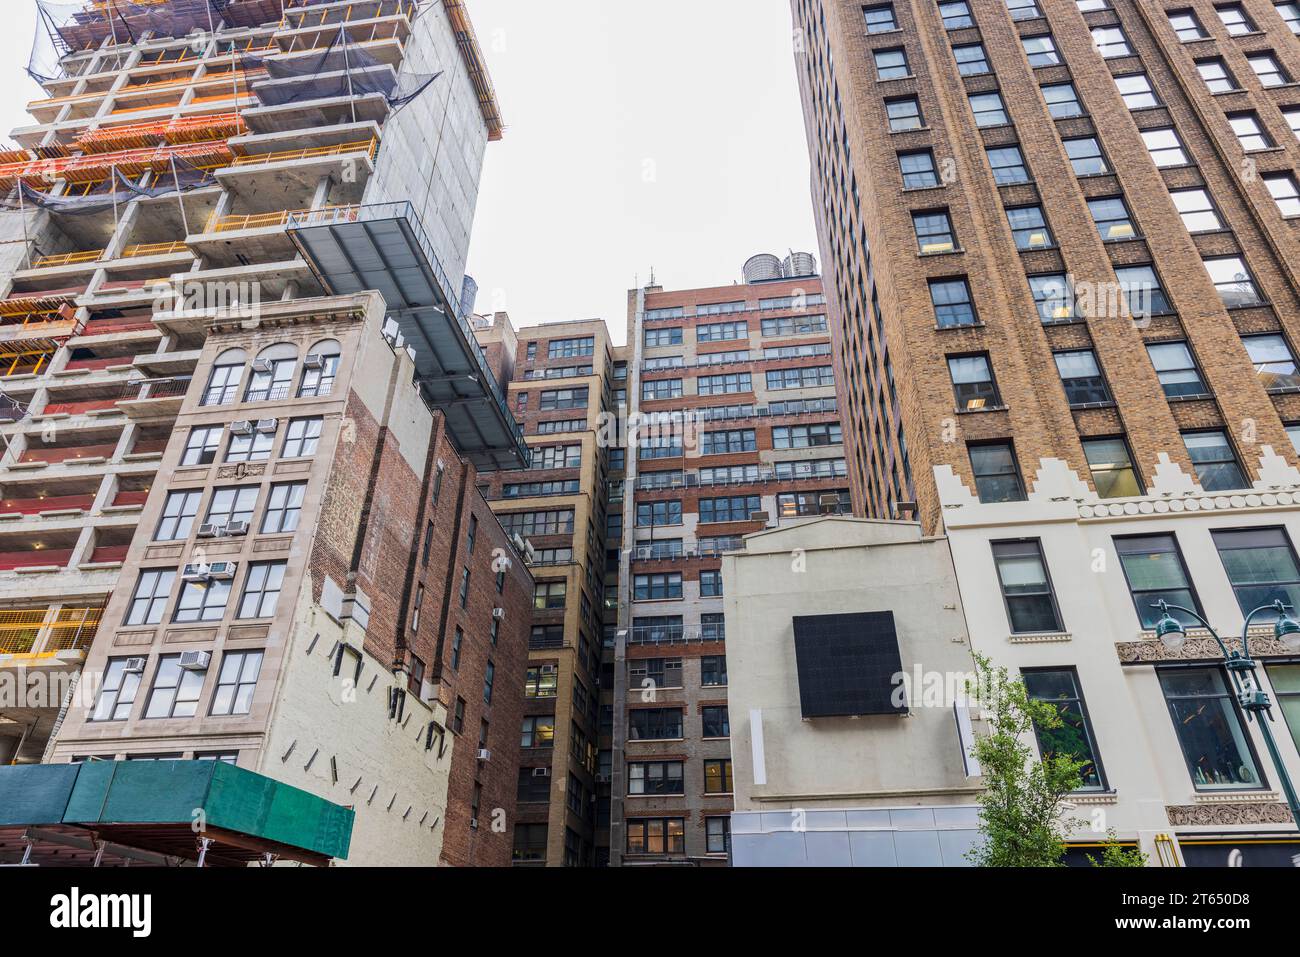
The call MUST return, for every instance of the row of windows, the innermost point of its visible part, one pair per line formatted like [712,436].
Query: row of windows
[229,507]
[668,835]
[253,442]
[666,778]
[176,691]
[809,377]
[273,374]
[665,724]
[204,599]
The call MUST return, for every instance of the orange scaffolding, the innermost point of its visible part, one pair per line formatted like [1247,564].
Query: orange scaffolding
[192,129]
[98,166]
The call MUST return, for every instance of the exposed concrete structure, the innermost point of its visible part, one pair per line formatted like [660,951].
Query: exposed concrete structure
[873,790]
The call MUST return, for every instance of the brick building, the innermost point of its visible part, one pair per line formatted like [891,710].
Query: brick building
[736,430]
[1015,195]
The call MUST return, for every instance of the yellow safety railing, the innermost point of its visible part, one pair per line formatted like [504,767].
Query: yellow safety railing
[360,146]
[20,629]
[66,629]
[95,255]
[230,223]
[73,628]
[68,259]
[153,249]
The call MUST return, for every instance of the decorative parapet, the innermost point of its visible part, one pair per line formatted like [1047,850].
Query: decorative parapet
[1229,812]
[1200,646]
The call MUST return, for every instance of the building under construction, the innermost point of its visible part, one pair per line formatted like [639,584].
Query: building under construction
[243,414]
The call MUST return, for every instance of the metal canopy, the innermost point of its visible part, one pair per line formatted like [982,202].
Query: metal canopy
[383,247]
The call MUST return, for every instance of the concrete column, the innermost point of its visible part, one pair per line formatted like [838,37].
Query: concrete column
[322,193]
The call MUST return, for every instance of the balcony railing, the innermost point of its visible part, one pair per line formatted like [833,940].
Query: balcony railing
[260,159]
[157,388]
[675,634]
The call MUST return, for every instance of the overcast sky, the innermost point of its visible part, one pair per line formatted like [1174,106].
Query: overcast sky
[638,136]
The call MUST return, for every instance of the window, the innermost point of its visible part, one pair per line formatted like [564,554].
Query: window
[918,172]
[1292,117]
[806,436]
[223,384]
[1218,754]
[1074,737]
[880,19]
[1273,360]
[717,777]
[1142,291]
[463,592]
[152,590]
[1290,14]
[1235,19]
[955,14]
[1111,215]
[657,587]
[736,508]
[175,691]
[1153,567]
[1215,463]
[722,331]
[1136,91]
[1286,684]
[724,384]
[970,58]
[236,681]
[792,504]
[952,303]
[318,374]
[458,645]
[654,724]
[1085,156]
[540,682]
[531,524]
[1026,588]
[1040,50]
[1293,433]
[997,477]
[1164,147]
[934,232]
[728,442]
[1111,465]
[713,670]
[1062,100]
[201,447]
[1111,42]
[1007,164]
[117,693]
[1029,228]
[1023,9]
[1087,6]
[650,673]
[1233,281]
[551,399]
[654,777]
[1216,75]
[254,446]
[1250,134]
[178,516]
[904,114]
[489,676]
[555,457]
[807,377]
[548,596]
[202,601]
[972,382]
[671,336]
[651,514]
[273,383]
[570,348]
[261,590]
[1081,377]
[458,717]
[656,835]
[717,835]
[229,505]
[302,437]
[538,731]
[988,109]
[1268,70]
[1196,209]
[715,722]
[1282,187]
[1176,369]
[1186,26]
[1053,297]
[891,64]
[1261,567]
[284,506]
[794,325]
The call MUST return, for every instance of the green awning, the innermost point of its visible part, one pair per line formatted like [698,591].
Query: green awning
[155,805]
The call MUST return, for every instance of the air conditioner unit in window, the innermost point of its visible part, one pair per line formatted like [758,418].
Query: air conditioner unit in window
[223,571]
[541,772]
[195,660]
[263,365]
[483,754]
[267,425]
[209,530]
[758,516]
[237,528]
[133,666]
[208,571]
[241,427]
[473,823]
[550,669]
[314,362]
[499,614]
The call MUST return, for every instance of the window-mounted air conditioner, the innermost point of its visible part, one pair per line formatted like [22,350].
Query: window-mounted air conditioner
[314,361]
[237,528]
[263,365]
[541,772]
[209,530]
[133,666]
[483,754]
[195,660]
[499,614]
[208,571]
[241,427]
[267,425]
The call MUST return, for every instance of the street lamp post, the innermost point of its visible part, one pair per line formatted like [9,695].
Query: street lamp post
[1253,700]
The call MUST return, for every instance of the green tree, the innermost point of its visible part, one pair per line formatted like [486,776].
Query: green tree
[1021,807]
[1114,854]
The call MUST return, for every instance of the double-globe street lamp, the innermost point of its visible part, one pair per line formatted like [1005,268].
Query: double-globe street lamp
[1253,700]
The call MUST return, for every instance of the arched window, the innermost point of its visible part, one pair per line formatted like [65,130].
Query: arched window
[272,373]
[223,383]
[319,369]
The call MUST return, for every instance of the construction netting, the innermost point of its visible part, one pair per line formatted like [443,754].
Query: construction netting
[176,175]
[343,67]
